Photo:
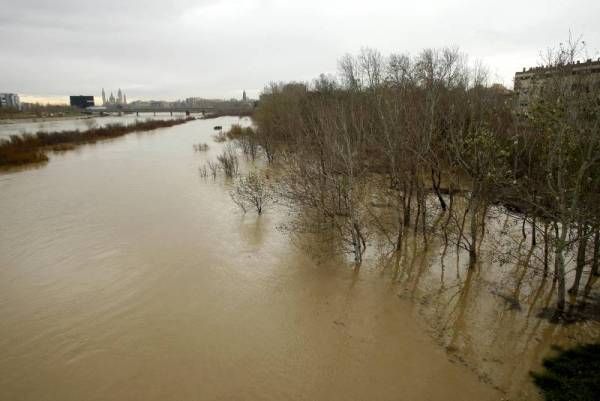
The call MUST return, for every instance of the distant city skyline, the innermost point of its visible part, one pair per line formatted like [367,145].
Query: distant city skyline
[154,51]
[64,99]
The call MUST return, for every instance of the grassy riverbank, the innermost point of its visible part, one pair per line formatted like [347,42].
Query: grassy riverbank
[32,148]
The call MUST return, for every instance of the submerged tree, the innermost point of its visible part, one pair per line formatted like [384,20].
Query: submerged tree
[252,191]
[431,141]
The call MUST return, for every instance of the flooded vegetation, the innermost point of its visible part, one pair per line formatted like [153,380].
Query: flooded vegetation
[32,148]
[128,274]
[422,144]
[476,212]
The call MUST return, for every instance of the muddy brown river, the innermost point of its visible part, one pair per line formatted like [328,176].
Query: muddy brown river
[125,275]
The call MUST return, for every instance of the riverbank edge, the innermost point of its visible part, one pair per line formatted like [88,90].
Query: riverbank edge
[27,149]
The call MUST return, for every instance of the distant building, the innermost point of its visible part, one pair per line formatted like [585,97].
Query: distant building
[579,77]
[10,100]
[244,98]
[119,100]
[81,101]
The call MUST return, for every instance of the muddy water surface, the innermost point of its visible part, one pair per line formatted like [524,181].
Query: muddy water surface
[124,275]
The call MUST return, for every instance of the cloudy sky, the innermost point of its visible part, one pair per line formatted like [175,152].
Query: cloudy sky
[215,48]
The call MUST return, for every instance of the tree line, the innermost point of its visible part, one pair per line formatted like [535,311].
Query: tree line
[423,144]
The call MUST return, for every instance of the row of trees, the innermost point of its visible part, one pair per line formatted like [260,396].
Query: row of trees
[424,143]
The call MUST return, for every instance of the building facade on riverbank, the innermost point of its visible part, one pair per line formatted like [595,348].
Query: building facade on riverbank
[10,100]
[579,77]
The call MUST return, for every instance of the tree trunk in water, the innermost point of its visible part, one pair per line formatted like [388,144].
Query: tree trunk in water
[481,221]
[356,241]
[546,250]
[596,262]
[580,258]
[447,222]
[424,222]
[560,271]
[594,270]
[556,236]
[418,214]
[400,231]
[407,205]
[559,266]
[436,178]
[533,232]
[474,230]
[461,228]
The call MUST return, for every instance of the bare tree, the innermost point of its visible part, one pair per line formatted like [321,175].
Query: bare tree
[252,191]
[229,161]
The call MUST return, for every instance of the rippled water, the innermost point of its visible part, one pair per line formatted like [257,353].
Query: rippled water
[124,275]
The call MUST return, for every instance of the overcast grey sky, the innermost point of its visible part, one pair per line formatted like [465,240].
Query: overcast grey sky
[215,48]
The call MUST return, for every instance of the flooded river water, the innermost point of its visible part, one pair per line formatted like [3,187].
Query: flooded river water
[124,275]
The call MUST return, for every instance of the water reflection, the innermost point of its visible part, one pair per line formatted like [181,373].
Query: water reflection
[489,318]
[253,229]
